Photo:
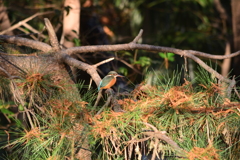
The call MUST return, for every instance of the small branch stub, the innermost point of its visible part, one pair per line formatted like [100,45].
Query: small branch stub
[52,36]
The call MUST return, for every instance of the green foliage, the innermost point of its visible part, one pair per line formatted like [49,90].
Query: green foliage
[58,129]
[123,70]
[143,61]
[168,56]
[5,93]
[38,88]
[77,42]
[189,114]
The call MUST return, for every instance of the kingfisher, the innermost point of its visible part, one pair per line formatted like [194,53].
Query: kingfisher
[109,80]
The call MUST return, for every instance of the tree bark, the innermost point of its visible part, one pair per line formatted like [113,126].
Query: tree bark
[18,65]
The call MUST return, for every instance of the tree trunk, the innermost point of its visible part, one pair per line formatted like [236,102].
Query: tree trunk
[71,22]
[4,21]
[236,37]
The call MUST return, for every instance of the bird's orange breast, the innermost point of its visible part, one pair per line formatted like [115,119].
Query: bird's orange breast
[110,84]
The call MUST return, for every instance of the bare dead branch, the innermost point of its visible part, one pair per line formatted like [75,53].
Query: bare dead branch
[130,46]
[98,98]
[109,99]
[80,65]
[210,56]
[3,70]
[151,126]
[138,36]
[26,42]
[33,30]
[27,33]
[52,35]
[165,138]
[129,65]
[24,21]
[162,136]
[209,69]
[102,62]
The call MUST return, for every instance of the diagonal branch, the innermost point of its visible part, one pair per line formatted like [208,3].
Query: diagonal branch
[162,136]
[136,39]
[52,35]
[24,21]
[91,70]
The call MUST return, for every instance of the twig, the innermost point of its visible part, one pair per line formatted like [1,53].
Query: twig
[41,32]
[230,87]
[26,33]
[33,30]
[9,76]
[236,92]
[24,21]
[138,36]
[108,101]
[155,149]
[98,98]
[29,117]
[210,56]
[5,72]
[209,69]
[129,65]
[14,65]
[162,135]
[35,119]
[102,62]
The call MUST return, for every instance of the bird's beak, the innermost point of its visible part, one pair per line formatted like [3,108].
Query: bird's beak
[119,75]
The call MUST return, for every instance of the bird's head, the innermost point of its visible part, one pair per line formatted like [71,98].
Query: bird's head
[115,74]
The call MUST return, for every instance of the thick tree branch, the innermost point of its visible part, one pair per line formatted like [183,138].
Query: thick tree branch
[130,46]
[118,47]
[65,58]
[26,42]
[91,70]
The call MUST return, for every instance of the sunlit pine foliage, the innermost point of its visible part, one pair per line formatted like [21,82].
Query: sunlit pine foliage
[196,115]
